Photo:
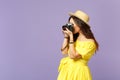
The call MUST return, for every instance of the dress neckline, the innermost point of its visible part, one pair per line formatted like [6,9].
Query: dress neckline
[84,41]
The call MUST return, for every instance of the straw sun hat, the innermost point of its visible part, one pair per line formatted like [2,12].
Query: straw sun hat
[81,15]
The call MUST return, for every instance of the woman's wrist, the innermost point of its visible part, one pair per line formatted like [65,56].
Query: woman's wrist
[71,42]
[71,39]
[66,37]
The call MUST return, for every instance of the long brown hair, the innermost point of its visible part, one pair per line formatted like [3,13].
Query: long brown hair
[85,30]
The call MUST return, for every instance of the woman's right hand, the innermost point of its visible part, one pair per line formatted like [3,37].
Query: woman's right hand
[65,34]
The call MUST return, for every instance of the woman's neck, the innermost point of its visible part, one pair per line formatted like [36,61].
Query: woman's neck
[81,37]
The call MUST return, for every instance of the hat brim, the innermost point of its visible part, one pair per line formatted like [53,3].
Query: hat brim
[72,14]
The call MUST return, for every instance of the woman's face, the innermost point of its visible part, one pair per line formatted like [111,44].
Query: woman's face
[76,28]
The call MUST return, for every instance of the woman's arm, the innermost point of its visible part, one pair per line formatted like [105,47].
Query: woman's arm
[69,42]
[72,52]
[64,48]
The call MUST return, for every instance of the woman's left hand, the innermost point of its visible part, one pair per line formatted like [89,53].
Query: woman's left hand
[67,31]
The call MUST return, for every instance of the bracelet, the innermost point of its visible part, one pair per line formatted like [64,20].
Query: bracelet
[64,47]
[71,42]
[66,37]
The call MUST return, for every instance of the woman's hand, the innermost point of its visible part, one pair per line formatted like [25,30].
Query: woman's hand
[67,32]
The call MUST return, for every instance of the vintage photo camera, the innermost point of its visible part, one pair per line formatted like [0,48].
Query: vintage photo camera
[69,26]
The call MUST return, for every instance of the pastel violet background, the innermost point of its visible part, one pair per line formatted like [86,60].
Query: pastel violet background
[31,37]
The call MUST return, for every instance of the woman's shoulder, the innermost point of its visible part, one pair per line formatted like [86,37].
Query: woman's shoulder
[85,41]
[86,44]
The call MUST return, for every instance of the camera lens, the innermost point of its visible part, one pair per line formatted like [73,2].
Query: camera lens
[64,27]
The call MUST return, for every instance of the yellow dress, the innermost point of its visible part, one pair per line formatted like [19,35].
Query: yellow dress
[77,69]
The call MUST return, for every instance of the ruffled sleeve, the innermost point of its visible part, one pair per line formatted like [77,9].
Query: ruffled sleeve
[86,49]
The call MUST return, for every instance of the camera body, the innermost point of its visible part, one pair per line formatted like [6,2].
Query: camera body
[69,26]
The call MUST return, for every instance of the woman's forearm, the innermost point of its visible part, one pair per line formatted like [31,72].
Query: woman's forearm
[64,48]
[72,51]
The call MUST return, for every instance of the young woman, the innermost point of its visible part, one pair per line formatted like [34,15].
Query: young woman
[79,45]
